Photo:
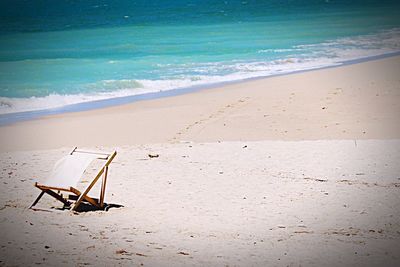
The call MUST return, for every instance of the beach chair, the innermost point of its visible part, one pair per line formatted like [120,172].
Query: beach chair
[66,175]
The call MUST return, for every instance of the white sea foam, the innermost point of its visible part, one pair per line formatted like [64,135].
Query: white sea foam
[343,49]
[283,50]
[122,88]
[301,57]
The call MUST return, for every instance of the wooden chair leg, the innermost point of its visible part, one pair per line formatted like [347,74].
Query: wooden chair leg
[58,197]
[53,194]
[37,199]
[103,187]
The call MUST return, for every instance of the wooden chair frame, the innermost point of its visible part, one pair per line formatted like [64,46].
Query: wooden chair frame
[76,195]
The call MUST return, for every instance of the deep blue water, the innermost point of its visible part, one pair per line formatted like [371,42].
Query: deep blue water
[55,53]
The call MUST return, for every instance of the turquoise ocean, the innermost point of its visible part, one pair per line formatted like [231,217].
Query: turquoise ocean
[57,53]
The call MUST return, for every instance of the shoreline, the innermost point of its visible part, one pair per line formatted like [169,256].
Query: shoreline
[357,101]
[11,118]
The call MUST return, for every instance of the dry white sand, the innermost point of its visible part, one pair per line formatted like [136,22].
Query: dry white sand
[309,203]
[293,170]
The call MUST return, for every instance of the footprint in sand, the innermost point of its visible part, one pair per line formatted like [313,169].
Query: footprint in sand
[214,115]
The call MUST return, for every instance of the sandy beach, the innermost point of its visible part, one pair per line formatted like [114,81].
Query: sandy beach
[293,170]
[358,101]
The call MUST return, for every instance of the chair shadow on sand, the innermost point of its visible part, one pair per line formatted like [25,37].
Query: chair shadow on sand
[85,207]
